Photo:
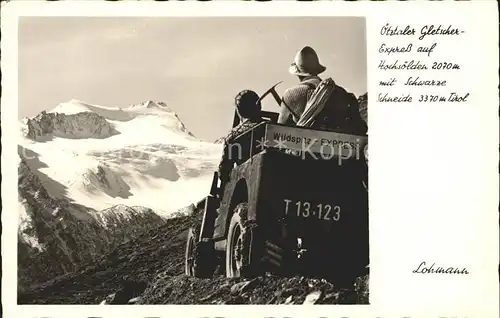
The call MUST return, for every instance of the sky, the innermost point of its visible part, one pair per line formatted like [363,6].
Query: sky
[194,64]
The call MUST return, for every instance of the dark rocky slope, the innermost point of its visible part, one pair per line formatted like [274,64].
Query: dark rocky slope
[363,106]
[151,269]
[56,236]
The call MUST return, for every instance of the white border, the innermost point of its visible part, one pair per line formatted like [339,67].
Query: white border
[483,11]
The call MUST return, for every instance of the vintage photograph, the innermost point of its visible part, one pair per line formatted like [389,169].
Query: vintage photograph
[192,160]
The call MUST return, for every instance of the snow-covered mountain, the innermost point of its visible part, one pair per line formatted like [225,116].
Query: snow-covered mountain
[99,157]
[92,177]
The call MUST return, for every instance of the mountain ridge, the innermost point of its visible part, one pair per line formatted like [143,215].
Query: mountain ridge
[141,152]
[87,176]
[55,236]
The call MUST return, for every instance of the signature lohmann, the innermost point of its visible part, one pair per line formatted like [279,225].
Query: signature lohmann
[425,268]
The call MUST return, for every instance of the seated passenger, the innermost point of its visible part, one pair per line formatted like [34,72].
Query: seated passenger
[248,108]
[340,112]
[306,67]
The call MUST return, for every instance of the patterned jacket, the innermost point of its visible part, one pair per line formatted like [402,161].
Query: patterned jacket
[296,98]
[227,160]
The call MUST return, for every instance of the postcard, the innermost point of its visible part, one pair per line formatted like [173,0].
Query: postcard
[228,158]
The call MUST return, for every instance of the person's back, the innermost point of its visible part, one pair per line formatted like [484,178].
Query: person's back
[331,107]
[295,98]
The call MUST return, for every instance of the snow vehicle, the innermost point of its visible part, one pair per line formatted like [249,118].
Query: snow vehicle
[296,200]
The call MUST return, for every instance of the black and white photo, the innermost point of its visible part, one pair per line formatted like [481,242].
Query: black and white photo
[224,154]
[215,159]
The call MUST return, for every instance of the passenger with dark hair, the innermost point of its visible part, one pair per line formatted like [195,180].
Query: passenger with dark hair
[248,108]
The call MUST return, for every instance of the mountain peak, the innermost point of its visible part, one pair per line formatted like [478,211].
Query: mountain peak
[154,116]
[78,102]
[152,104]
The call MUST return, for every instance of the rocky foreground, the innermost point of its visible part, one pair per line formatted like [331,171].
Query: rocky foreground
[149,270]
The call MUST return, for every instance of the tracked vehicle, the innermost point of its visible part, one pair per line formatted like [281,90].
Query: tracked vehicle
[296,201]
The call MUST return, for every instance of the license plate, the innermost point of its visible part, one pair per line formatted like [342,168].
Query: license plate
[306,209]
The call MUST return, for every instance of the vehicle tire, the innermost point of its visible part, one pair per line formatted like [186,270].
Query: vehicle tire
[244,248]
[199,257]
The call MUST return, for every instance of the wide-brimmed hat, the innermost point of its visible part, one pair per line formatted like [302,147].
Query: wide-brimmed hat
[306,63]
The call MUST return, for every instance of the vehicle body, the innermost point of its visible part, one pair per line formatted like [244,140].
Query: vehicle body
[296,198]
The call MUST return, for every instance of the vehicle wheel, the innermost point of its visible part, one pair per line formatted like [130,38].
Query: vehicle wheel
[199,257]
[243,251]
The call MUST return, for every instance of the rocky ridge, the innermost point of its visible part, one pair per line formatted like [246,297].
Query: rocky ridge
[55,236]
[363,106]
[80,125]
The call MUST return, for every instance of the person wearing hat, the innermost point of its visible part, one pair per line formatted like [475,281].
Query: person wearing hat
[306,66]
[248,109]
